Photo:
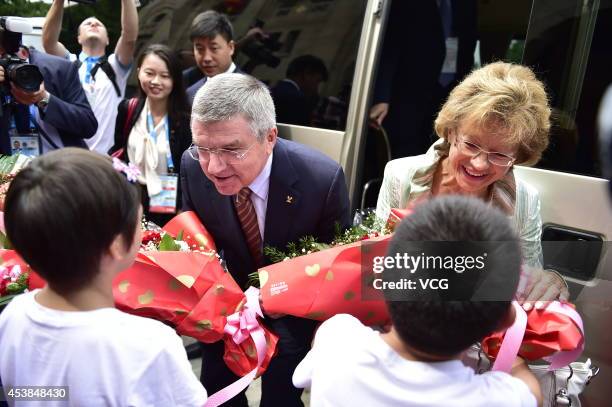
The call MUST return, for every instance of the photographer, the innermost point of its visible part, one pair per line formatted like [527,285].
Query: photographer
[47,115]
[212,36]
[103,78]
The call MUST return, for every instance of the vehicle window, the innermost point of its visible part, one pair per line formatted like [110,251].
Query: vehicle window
[320,37]
[568,44]
[564,41]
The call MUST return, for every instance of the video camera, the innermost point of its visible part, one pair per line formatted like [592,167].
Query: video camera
[16,70]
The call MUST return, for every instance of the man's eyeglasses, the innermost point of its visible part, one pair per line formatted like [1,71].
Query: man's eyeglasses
[227,156]
[495,158]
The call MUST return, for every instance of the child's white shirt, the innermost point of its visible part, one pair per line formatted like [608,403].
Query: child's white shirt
[106,357]
[350,365]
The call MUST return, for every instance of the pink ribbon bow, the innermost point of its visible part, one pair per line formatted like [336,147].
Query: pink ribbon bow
[241,325]
[514,336]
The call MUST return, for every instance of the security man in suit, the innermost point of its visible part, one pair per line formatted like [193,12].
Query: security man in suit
[251,189]
[212,36]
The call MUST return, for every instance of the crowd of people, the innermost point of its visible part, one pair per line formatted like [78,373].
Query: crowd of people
[213,148]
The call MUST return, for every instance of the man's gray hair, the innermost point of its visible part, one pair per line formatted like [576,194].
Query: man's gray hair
[228,95]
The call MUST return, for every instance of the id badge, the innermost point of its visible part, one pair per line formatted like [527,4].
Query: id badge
[26,144]
[450,61]
[165,201]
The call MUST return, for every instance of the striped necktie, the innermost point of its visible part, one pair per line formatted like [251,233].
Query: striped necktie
[248,221]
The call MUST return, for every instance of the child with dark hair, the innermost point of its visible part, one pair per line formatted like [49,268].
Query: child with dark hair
[418,362]
[76,220]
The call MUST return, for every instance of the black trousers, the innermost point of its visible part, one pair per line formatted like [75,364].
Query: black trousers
[295,337]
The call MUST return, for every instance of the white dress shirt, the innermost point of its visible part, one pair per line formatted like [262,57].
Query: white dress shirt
[259,196]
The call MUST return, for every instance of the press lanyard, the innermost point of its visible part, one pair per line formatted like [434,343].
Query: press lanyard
[33,120]
[153,134]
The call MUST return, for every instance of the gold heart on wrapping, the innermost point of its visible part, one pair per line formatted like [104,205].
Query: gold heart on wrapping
[219,289]
[146,298]
[203,324]
[187,281]
[223,312]
[123,286]
[250,351]
[173,284]
[240,305]
[329,276]
[201,239]
[263,278]
[349,295]
[180,312]
[312,271]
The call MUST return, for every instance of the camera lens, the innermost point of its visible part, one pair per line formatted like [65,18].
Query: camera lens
[25,76]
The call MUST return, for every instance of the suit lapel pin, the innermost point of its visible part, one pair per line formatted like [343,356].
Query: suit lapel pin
[289,199]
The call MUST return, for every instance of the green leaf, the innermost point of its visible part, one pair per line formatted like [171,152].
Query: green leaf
[167,244]
[5,242]
[180,235]
[321,246]
[6,299]
[253,280]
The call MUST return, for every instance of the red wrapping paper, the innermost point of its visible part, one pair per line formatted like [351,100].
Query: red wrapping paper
[194,233]
[396,216]
[191,291]
[322,284]
[547,332]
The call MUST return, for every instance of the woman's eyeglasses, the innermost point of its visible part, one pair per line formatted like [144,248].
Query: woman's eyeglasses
[495,158]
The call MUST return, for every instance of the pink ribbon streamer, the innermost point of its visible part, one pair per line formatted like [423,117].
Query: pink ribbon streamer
[512,341]
[564,358]
[514,337]
[242,325]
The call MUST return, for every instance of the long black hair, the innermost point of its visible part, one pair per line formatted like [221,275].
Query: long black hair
[178,107]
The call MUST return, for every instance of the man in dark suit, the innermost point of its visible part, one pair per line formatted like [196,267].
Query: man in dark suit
[59,108]
[296,96]
[212,36]
[428,48]
[238,167]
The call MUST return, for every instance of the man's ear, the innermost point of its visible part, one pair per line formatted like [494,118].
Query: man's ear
[270,140]
[272,135]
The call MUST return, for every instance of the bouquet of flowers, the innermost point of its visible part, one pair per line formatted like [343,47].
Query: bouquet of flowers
[178,278]
[317,281]
[16,277]
[9,166]
[553,330]
[13,281]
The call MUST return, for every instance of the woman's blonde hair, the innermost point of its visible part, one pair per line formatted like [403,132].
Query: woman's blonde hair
[505,97]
